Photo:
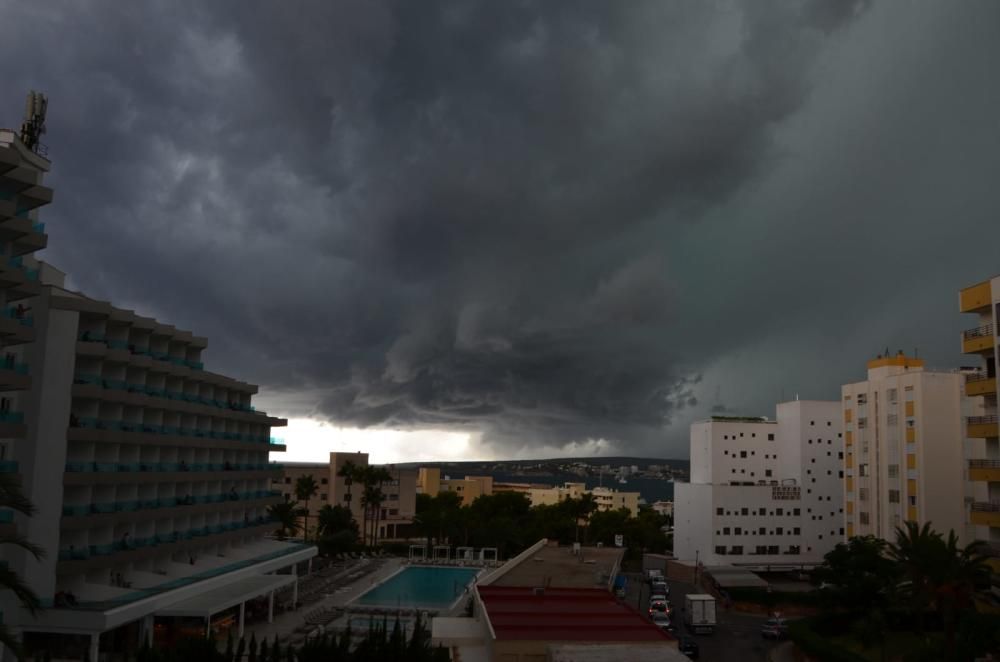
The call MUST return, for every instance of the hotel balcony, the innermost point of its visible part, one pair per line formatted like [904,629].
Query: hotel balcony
[23,233]
[7,526]
[984,513]
[983,427]
[985,470]
[975,298]
[98,556]
[978,340]
[118,432]
[94,473]
[14,376]
[92,515]
[12,424]
[16,329]
[980,384]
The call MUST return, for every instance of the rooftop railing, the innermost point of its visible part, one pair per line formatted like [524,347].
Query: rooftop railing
[978,332]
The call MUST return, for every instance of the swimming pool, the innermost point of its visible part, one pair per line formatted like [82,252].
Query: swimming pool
[420,586]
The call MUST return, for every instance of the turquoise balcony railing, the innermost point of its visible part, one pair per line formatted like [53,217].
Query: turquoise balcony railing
[116,384]
[195,365]
[31,274]
[177,360]
[70,511]
[38,227]
[127,506]
[91,336]
[11,417]
[6,516]
[102,508]
[19,368]
[102,550]
[94,380]
[117,344]
[8,467]
[22,318]
[16,262]
[160,356]
[276,441]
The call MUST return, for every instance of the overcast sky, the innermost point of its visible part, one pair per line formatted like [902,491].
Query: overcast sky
[522,229]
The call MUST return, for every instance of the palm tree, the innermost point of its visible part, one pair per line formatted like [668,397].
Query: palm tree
[12,497]
[380,476]
[372,500]
[286,514]
[349,472]
[583,507]
[305,489]
[333,519]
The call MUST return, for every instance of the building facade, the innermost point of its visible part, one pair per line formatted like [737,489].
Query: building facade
[904,448]
[149,474]
[763,493]
[982,428]
[396,512]
[429,481]
[605,497]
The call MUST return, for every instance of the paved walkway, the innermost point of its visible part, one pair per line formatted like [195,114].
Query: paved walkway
[286,623]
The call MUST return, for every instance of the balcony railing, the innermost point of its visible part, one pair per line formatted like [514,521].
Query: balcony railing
[38,227]
[74,554]
[21,317]
[982,420]
[971,377]
[164,502]
[163,467]
[6,516]
[984,464]
[117,384]
[8,467]
[89,422]
[15,417]
[978,332]
[986,507]
[14,366]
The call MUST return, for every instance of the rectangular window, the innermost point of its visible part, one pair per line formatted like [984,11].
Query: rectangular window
[892,419]
[770,436]
[737,549]
[762,511]
[767,473]
[772,549]
[745,511]
[738,531]
[762,531]
[863,517]
[862,398]
[893,471]
[720,549]
[891,394]
[912,500]
[862,423]
[778,531]
[743,453]
[863,494]
[797,531]
[779,511]
[322,497]
[324,481]
[862,469]
[893,496]
[797,512]
[725,530]
[719,511]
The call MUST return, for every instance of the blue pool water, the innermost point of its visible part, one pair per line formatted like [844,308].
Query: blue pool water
[420,586]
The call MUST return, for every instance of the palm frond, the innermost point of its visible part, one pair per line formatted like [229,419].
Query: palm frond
[10,642]
[12,496]
[20,541]
[11,581]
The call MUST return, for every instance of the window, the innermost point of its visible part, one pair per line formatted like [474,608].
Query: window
[725,530]
[863,517]
[738,531]
[778,531]
[763,511]
[863,494]
[863,469]
[762,531]
[719,511]
[893,471]
[812,422]
[288,480]
[840,455]
[862,423]
[892,419]
[770,436]
[745,511]
[797,512]
[840,474]
[322,497]
[772,549]
[760,549]
[891,394]
[720,549]
[862,398]
[912,500]
[779,511]
[324,481]
[737,549]
[767,473]
[743,453]
[796,531]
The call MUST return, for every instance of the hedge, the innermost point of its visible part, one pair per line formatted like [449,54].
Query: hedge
[818,645]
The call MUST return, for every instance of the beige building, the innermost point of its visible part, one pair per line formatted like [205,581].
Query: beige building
[983,446]
[429,481]
[606,498]
[904,448]
[397,510]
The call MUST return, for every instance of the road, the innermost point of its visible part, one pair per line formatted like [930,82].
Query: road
[736,638]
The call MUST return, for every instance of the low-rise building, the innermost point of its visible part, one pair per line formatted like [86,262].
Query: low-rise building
[605,497]
[430,481]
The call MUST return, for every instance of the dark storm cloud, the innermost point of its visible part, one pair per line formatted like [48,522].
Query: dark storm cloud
[541,220]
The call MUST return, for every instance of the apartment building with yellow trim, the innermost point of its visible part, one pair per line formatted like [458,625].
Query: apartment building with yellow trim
[904,440]
[983,446]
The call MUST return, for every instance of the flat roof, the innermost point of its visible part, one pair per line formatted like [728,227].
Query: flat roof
[728,576]
[611,652]
[558,567]
[224,597]
[564,614]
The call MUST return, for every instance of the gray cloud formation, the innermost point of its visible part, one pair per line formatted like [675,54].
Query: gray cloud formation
[546,221]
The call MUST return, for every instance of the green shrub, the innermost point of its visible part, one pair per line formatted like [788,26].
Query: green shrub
[818,644]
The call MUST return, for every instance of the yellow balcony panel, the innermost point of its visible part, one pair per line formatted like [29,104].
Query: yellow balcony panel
[850,461]
[911,513]
[980,384]
[983,427]
[850,508]
[849,484]
[909,408]
[979,339]
[911,487]
[848,415]
[911,461]
[985,513]
[848,438]
[975,297]
[985,470]
[850,529]
[911,435]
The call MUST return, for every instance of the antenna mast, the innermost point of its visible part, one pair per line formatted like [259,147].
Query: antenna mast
[34,122]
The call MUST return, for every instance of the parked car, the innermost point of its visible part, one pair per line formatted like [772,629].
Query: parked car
[660,587]
[662,621]
[774,628]
[658,597]
[689,647]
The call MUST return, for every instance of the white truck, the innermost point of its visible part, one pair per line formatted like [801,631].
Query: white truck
[699,613]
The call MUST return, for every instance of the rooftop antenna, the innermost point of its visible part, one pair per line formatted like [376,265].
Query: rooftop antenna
[34,121]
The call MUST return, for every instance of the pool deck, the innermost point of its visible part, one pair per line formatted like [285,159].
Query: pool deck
[285,624]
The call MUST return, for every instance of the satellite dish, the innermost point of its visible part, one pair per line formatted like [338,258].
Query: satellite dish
[34,121]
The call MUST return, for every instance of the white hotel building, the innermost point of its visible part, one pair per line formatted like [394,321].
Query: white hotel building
[150,474]
[763,493]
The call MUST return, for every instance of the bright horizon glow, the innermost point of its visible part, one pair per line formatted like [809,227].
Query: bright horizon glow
[311,440]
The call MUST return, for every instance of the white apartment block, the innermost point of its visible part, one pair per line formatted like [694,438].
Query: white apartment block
[763,493]
[150,474]
[982,428]
[904,448]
